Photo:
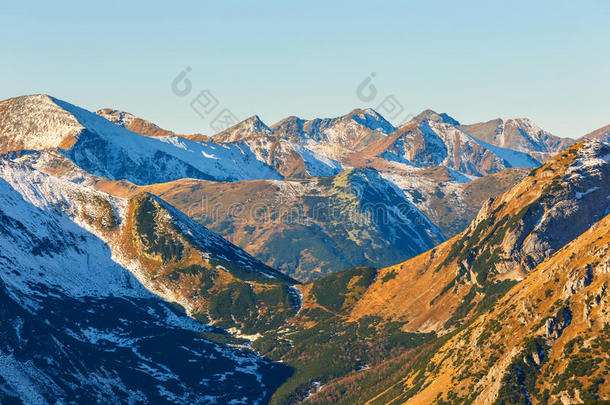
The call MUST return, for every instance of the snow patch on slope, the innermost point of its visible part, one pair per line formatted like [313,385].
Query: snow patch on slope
[317,164]
[511,157]
[42,239]
[373,120]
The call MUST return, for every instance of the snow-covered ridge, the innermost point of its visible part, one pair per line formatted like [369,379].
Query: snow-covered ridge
[434,142]
[519,134]
[36,123]
[243,130]
[73,230]
[592,157]
[512,158]
[252,150]
[42,216]
[344,131]
[122,118]
[317,164]
[103,148]
[190,159]
[533,138]
[373,120]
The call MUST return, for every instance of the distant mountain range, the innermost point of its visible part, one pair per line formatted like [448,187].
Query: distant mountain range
[365,138]
[105,149]
[336,260]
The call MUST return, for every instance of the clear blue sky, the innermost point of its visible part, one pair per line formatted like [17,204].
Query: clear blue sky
[546,60]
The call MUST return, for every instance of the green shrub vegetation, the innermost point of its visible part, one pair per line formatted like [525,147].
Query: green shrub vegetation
[389,276]
[155,240]
[339,291]
[519,382]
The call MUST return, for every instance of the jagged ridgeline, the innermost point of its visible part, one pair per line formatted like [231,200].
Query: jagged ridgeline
[100,147]
[114,145]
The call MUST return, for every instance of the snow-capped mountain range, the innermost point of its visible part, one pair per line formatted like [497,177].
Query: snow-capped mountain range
[298,148]
[430,139]
[117,286]
[97,145]
[352,131]
[292,148]
[102,145]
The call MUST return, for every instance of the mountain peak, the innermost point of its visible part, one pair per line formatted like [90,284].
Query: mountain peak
[354,130]
[522,122]
[244,129]
[32,98]
[520,134]
[256,124]
[368,110]
[371,119]
[39,99]
[36,122]
[433,116]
